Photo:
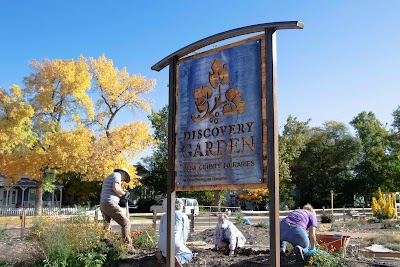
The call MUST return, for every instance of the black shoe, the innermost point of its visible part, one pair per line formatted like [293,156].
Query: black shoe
[299,253]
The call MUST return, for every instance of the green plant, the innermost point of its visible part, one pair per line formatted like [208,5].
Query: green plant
[326,218]
[264,225]
[92,259]
[239,218]
[390,224]
[3,232]
[333,228]
[144,239]
[355,223]
[324,260]
[71,243]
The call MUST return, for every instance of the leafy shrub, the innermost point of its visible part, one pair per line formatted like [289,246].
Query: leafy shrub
[383,207]
[239,218]
[71,243]
[326,218]
[264,225]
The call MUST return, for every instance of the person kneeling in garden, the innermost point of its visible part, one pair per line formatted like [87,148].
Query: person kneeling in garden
[227,235]
[293,230]
[182,252]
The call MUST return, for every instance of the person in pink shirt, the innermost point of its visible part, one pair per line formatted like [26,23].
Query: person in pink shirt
[293,229]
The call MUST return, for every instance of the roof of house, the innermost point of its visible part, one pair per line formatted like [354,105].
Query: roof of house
[25,181]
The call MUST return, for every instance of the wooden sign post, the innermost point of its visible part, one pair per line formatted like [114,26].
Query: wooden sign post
[222,126]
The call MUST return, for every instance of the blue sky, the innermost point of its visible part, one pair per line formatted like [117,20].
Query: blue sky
[345,60]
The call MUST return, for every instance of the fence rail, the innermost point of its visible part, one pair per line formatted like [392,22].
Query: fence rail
[45,211]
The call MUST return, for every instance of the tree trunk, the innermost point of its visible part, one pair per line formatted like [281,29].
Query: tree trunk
[217,199]
[39,200]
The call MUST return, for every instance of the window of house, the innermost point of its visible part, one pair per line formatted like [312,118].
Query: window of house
[32,195]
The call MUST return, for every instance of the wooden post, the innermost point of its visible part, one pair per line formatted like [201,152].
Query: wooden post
[96,216]
[23,223]
[154,219]
[272,141]
[192,222]
[127,208]
[332,204]
[344,213]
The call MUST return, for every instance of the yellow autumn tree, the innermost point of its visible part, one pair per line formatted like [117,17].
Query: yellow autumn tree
[56,91]
[119,94]
[255,195]
[59,129]
[15,123]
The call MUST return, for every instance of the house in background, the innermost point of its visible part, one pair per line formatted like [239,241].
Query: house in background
[141,192]
[232,200]
[22,194]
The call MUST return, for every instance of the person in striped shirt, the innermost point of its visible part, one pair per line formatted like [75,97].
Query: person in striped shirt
[111,191]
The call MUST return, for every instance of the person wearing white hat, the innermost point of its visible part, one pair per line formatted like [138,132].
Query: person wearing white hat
[111,191]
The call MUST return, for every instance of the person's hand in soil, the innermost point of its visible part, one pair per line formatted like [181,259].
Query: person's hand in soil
[215,248]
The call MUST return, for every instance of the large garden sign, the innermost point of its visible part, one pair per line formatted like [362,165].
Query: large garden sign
[222,126]
[220,118]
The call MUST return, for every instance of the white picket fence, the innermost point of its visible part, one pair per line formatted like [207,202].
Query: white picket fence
[45,211]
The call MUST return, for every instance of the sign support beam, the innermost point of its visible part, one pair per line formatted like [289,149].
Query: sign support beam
[171,194]
[272,144]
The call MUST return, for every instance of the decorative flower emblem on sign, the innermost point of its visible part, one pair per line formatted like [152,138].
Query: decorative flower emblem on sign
[232,102]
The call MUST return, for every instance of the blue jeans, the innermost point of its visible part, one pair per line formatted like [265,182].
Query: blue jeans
[295,235]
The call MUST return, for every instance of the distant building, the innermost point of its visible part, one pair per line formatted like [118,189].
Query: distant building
[22,194]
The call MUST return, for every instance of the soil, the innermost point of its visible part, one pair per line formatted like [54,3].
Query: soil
[22,252]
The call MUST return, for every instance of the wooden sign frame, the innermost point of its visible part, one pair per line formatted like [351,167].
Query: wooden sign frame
[271,130]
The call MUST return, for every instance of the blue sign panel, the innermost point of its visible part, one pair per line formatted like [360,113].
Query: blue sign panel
[219,135]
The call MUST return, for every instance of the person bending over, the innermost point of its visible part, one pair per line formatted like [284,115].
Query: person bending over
[111,191]
[227,235]
[293,229]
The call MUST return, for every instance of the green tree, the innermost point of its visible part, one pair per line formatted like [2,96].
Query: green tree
[326,164]
[82,192]
[156,164]
[374,164]
[392,184]
[291,142]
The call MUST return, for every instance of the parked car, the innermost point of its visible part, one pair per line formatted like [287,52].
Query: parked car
[132,207]
[189,204]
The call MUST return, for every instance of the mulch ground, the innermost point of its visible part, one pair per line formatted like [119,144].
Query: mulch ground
[21,252]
